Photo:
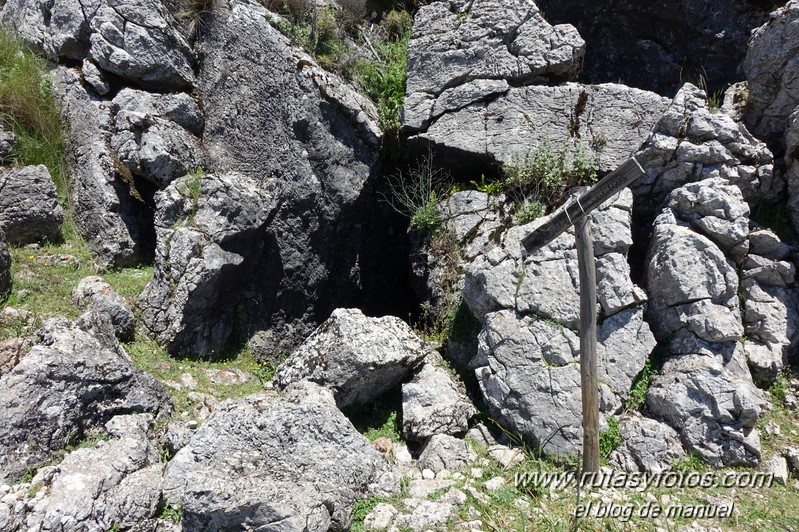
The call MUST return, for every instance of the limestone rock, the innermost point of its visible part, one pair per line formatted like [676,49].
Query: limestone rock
[29,209]
[647,446]
[445,453]
[531,380]
[262,460]
[211,232]
[690,143]
[157,136]
[792,165]
[380,517]
[506,128]
[356,357]
[115,483]
[771,65]
[97,295]
[107,207]
[432,403]
[76,375]
[705,392]
[134,39]
[8,142]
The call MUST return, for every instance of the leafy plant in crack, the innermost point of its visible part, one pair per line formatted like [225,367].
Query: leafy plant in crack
[416,194]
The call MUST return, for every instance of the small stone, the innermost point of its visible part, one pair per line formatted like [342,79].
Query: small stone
[188,381]
[494,484]
[778,466]
[380,518]
[428,474]
[192,424]
[383,444]
[476,472]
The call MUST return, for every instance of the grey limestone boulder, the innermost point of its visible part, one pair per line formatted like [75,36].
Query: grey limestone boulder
[531,378]
[157,136]
[772,65]
[134,39]
[647,446]
[357,357]
[210,231]
[117,482]
[446,453]
[792,165]
[107,207]
[29,209]
[8,142]
[705,392]
[95,294]
[434,403]
[293,463]
[74,379]
[691,143]
[5,266]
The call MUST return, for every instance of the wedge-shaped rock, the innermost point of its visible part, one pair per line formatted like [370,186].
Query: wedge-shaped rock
[263,462]
[29,209]
[433,403]
[210,232]
[358,358]
[96,294]
[647,446]
[76,378]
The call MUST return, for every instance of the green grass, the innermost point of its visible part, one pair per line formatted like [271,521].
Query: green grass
[640,386]
[27,107]
[380,418]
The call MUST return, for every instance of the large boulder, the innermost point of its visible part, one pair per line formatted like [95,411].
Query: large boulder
[211,232]
[772,73]
[134,39]
[29,209]
[108,208]
[319,141]
[466,62]
[114,483]
[705,392]
[691,143]
[647,446]
[673,42]
[293,463]
[74,379]
[358,358]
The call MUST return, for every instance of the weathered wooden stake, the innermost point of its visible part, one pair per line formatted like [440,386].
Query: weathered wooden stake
[588,356]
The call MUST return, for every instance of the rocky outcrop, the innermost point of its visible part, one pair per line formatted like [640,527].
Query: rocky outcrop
[94,294]
[211,232]
[5,267]
[74,379]
[464,100]
[356,357]
[528,356]
[134,39]
[691,143]
[445,453]
[771,66]
[705,392]
[8,142]
[156,136]
[657,46]
[111,483]
[265,462]
[433,403]
[107,206]
[29,209]
[647,446]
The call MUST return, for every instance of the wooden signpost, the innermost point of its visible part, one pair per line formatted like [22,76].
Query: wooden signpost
[576,214]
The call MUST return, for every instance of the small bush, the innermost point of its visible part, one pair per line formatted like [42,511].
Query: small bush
[529,211]
[295,9]
[396,24]
[384,82]
[193,11]
[416,194]
[28,108]
[640,386]
[352,12]
[610,439]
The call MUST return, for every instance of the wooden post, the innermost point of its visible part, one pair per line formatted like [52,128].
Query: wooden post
[588,356]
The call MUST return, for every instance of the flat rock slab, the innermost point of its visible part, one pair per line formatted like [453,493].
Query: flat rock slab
[355,356]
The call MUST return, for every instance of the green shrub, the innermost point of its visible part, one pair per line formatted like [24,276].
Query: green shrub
[416,194]
[529,211]
[609,439]
[28,108]
[396,24]
[640,386]
[384,81]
